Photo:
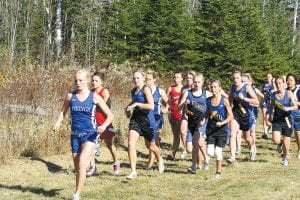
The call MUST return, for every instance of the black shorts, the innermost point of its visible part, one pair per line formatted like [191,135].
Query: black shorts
[283,128]
[217,136]
[243,119]
[142,125]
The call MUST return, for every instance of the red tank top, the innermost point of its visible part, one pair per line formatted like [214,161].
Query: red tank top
[99,115]
[174,98]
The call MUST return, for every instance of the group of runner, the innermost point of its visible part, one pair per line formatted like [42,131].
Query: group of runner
[201,114]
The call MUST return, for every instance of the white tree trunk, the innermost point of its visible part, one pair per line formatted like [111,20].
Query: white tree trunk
[72,54]
[58,27]
[295,24]
[14,35]
[27,26]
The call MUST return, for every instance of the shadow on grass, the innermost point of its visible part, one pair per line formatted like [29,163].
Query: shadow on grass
[52,167]
[165,146]
[139,154]
[35,190]
[253,161]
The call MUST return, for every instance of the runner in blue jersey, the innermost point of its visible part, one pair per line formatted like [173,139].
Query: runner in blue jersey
[241,96]
[160,101]
[267,91]
[292,86]
[219,115]
[82,103]
[186,136]
[142,122]
[282,103]
[253,109]
[196,110]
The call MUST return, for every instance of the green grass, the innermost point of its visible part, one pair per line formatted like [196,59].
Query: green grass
[52,178]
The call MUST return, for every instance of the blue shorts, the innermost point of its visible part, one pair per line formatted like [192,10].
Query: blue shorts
[189,136]
[159,121]
[200,129]
[77,139]
[296,124]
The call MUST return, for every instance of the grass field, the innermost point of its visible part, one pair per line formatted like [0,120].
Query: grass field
[53,177]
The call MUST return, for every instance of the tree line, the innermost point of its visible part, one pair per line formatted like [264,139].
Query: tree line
[210,36]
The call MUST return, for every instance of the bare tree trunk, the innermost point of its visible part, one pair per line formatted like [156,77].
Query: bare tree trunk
[58,27]
[46,58]
[72,54]
[14,35]
[27,26]
[295,24]
[96,40]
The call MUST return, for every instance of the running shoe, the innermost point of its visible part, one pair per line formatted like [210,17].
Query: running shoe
[279,148]
[132,175]
[92,170]
[161,166]
[149,169]
[252,154]
[183,154]
[117,168]
[238,151]
[206,165]
[298,154]
[198,167]
[192,169]
[285,162]
[264,136]
[97,150]
[231,160]
[170,157]
[217,175]
[75,197]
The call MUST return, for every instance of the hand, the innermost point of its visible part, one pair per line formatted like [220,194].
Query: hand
[241,96]
[219,124]
[101,129]
[164,109]
[56,126]
[286,108]
[131,107]
[202,122]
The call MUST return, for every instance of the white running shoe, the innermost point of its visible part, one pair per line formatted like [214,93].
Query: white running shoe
[231,160]
[298,154]
[183,154]
[206,165]
[132,175]
[75,197]
[161,166]
[217,175]
[285,162]
[252,154]
[192,169]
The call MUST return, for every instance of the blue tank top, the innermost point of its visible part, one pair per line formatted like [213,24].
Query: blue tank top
[280,114]
[139,96]
[296,113]
[216,113]
[267,91]
[83,114]
[157,101]
[196,107]
[237,103]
